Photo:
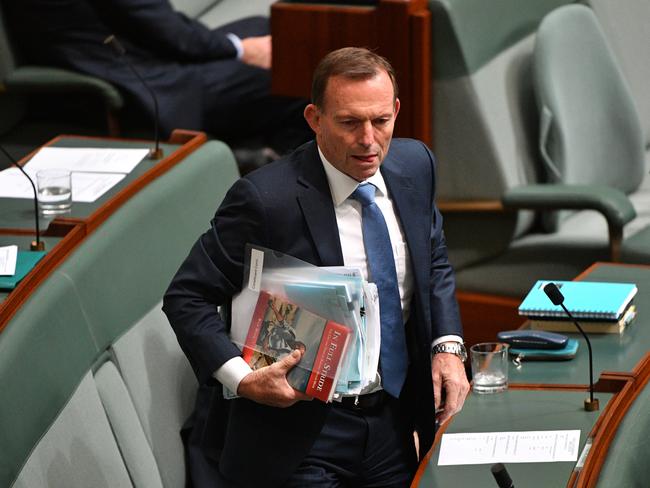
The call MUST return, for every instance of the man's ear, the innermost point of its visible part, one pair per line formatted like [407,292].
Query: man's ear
[312,116]
[396,107]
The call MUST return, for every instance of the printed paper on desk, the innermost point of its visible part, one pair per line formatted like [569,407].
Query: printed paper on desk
[542,446]
[8,258]
[13,184]
[88,187]
[87,159]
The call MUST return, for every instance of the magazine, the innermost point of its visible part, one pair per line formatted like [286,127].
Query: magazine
[279,326]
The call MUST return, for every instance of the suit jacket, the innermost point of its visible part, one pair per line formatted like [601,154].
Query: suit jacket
[171,51]
[287,206]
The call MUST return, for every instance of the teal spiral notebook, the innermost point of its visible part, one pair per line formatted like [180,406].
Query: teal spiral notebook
[584,299]
[25,261]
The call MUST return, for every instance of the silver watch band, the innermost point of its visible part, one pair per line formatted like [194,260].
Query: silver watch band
[456,348]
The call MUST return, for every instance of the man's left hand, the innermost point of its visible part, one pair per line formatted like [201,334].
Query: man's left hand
[448,373]
[257,51]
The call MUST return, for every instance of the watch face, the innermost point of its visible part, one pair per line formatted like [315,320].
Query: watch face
[462,352]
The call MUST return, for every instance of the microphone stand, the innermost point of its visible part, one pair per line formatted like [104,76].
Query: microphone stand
[36,245]
[591,404]
[112,41]
[555,295]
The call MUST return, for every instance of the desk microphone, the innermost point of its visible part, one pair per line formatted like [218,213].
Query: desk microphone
[36,245]
[117,46]
[555,295]
[501,476]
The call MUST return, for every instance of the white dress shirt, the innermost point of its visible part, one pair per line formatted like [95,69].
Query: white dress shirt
[348,220]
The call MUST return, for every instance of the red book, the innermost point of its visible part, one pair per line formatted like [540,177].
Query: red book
[279,326]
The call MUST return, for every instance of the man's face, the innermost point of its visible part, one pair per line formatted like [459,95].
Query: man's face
[355,124]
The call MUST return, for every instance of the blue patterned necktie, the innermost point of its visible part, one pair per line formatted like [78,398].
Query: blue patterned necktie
[393,355]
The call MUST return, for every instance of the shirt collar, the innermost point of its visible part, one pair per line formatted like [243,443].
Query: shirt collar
[342,185]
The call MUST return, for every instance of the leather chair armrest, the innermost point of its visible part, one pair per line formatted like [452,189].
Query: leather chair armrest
[610,202]
[42,79]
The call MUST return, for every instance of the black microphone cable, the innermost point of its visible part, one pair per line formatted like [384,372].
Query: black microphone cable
[117,46]
[37,245]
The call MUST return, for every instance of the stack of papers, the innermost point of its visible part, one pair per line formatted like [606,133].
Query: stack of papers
[337,294]
[94,170]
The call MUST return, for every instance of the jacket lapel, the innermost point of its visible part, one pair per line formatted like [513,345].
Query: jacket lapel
[415,219]
[315,200]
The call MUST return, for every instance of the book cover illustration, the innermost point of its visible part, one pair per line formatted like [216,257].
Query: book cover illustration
[279,326]
[340,304]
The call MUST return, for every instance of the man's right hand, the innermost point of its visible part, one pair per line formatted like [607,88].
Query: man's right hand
[269,386]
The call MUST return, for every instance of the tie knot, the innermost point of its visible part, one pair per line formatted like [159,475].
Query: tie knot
[364,194]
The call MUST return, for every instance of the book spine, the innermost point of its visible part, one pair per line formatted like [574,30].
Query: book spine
[544,314]
[321,381]
[256,326]
[559,326]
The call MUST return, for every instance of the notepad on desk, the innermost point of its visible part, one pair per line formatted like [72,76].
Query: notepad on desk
[589,326]
[593,300]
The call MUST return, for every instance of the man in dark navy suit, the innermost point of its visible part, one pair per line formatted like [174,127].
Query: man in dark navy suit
[306,205]
[216,80]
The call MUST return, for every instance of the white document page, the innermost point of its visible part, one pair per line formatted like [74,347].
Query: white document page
[13,184]
[542,446]
[88,187]
[8,257]
[87,159]
[373,331]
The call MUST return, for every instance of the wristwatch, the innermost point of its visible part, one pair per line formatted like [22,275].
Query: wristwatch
[457,348]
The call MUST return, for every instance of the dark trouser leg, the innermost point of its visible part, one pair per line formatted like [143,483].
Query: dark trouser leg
[360,449]
[238,105]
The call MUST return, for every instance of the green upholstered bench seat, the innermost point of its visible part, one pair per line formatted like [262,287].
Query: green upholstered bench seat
[94,385]
[627,463]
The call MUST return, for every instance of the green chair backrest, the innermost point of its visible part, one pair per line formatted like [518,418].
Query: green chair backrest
[479,31]
[102,289]
[626,26]
[589,129]
[627,462]
[484,116]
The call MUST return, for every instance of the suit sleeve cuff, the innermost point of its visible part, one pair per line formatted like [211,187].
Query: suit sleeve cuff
[445,338]
[236,41]
[232,372]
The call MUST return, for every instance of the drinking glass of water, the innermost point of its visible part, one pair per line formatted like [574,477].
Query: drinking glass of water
[489,367]
[54,191]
